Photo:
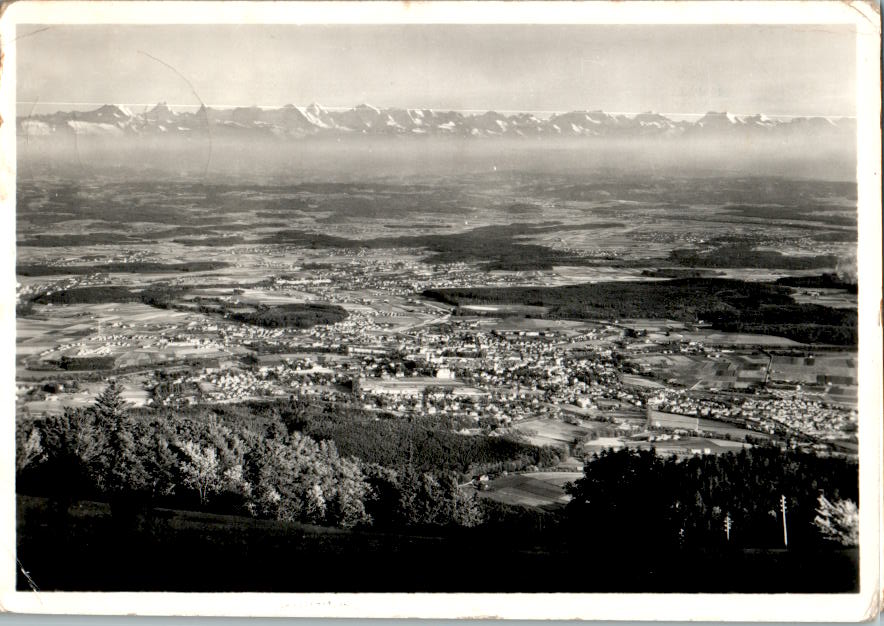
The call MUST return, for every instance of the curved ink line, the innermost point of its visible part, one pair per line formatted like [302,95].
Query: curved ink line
[197,96]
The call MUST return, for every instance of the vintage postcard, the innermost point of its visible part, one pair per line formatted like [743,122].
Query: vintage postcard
[545,310]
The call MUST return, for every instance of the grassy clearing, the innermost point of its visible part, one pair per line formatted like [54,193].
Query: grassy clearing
[540,489]
[550,432]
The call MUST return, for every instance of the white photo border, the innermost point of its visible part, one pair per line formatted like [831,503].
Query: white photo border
[864,605]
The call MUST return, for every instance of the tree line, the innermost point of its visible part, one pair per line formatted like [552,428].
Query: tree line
[296,463]
[728,305]
[137,461]
[664,502]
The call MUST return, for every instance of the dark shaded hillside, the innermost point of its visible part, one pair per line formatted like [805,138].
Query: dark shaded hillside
[729,305]
[745,255]
[84,239]
[292,315]
[90,295]
[684,299]
[421,443]
[691,498]
[229,498]
[498,247]
[823,281]
[136,267]
[173,550]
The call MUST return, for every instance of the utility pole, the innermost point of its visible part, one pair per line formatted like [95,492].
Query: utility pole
[785,532]
[727,526]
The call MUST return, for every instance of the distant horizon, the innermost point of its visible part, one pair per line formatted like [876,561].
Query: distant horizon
[88,106]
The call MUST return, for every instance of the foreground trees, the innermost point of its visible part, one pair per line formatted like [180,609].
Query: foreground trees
[261,469]
[267,466]
[297,479]
[655,501]
[838,521]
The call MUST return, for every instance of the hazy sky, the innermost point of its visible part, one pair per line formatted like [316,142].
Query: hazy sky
[777,70]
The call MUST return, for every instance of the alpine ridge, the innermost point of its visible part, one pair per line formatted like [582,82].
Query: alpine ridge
[292,122]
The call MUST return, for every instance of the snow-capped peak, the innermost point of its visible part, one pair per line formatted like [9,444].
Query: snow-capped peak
[112,111]
[124,110]
[293,121]
[719,118]
[317,115]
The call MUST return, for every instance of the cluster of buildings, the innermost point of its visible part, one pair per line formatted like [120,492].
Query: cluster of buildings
[481,369]
[28,291]
[680,402]
[391,273]
[801,414]
[772,410]
[233,386]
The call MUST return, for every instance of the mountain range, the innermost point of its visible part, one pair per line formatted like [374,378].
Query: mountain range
[292,121]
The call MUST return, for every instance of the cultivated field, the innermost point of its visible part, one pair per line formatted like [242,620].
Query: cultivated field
[538,489]
[548,432]
[673,421]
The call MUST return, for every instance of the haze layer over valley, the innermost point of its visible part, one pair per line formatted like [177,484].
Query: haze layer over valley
[294,143]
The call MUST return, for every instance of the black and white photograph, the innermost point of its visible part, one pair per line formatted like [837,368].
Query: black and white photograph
[403,299]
